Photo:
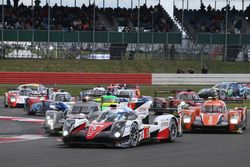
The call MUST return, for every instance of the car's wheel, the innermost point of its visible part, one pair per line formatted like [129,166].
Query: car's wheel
[247,95]
[134,135]
[5,102]
[173,130]
[222,95]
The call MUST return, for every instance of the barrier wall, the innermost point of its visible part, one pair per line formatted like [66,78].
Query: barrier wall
[73,78]
[198,79]
[107,78]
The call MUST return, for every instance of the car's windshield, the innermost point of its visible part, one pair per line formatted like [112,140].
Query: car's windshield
[221,86]
[184,97]
[63,97]
[213,109]
[25,92]
[112,116]
[110,100]
[124,93]
[80,109]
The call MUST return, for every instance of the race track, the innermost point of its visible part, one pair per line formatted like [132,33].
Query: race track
[193,149]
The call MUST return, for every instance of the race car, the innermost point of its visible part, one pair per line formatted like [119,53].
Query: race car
[130,94]
[93,94]
[214,115]
[54,119]
[171,102]
[107,100]
[226,90]
[121,127]
[16,97]
[37,100]
[38,105]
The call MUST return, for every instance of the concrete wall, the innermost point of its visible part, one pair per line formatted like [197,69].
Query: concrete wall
[198,79]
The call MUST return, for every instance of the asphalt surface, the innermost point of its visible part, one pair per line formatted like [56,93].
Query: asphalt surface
[193,149]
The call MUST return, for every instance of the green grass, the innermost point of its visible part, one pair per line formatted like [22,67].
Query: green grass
[118,66]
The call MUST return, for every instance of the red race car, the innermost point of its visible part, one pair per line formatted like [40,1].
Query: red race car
[171,102]
[214,115]
[17,97]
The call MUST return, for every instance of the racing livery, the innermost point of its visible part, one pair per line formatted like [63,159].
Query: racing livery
[17,97]
[121,127]
[226,90]
[54,119]
[214,115]
[172,102]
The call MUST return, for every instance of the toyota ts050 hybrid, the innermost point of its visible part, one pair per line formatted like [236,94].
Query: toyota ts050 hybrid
[214,115]
[121,127]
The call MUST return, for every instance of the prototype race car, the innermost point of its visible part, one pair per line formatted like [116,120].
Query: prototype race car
[171,102]
[54,119]
[107,100]
[214,115]
[226,90]
[39,104]
[17,97]
[121,127]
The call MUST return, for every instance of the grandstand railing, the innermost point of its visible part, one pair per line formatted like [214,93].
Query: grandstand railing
[87,36]
[216,39]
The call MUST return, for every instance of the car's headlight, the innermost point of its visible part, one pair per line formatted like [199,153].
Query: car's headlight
[65,133]
[12,99]
[118,129]
[187,119]
[234,119]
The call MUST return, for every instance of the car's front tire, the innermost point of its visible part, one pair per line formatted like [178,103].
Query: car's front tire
[134,135]
[173,131]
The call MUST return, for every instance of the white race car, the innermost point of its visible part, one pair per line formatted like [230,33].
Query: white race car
[122,127]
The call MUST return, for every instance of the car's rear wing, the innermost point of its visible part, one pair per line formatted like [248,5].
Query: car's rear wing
[159,110]
[166,92]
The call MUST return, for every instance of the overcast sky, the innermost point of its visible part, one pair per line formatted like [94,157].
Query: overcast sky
[167,4]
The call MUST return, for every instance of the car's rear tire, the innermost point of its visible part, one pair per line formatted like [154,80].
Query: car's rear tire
[173,130]
[134,135]
[5,102]
[222,95]
[247,95]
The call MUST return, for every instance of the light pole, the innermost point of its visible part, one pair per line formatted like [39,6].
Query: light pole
[2,27]
[48,28]
[33,24]
[138,25]
[94,25]
[226,22]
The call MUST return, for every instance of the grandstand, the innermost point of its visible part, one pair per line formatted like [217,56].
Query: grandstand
[73,32]
[52,24]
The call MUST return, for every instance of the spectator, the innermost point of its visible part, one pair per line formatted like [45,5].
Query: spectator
[190,70]
[204,69]
[179,71]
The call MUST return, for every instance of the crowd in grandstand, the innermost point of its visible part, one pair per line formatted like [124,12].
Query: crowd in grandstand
[210,20]
[64,18]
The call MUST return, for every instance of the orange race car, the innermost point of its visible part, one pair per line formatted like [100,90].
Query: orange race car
[214,115]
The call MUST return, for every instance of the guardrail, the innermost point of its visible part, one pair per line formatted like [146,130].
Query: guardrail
[73,78]
[198,79]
